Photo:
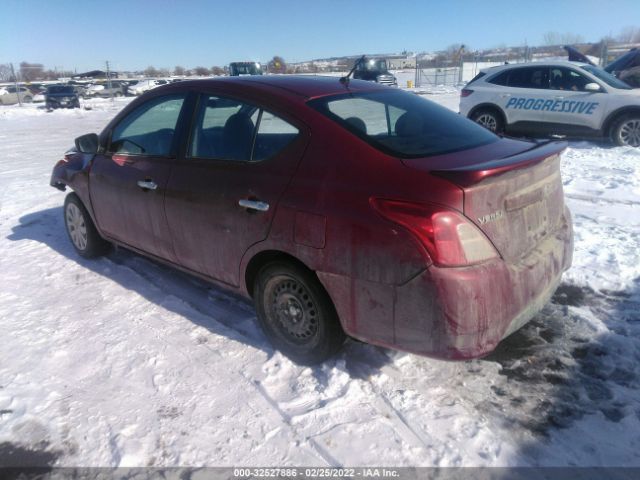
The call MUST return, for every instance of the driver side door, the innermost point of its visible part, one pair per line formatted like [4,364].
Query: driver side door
[127,182]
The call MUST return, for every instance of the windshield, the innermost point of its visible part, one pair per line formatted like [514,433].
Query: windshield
[403,124]
[60,89]
[245,69]
[375,65]
[606,77]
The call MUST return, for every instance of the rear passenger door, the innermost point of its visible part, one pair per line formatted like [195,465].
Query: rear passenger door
[522,99]
[223,191]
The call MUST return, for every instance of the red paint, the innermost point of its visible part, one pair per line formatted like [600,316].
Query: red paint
[377,268]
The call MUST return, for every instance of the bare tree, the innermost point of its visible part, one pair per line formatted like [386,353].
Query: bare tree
[215,70]
[277,65]
[178,70]
[5,73]
[201,71]
[150,71]
[555,38]
[629,35]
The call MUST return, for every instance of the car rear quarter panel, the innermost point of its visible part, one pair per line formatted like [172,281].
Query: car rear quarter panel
[325,220]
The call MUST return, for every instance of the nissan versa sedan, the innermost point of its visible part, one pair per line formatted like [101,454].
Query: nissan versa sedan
[342,208]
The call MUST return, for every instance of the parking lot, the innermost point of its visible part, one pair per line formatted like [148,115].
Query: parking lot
[123,362]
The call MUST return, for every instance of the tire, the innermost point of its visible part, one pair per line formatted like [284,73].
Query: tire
[625,131]
[82,232]
[118,94]
[296,313]
[490,119]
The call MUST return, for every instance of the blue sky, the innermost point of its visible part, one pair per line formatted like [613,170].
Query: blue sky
[133,34]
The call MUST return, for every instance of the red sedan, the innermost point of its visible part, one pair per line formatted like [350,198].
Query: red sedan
[340,207]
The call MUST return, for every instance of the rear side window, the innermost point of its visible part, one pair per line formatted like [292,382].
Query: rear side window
[149,129]
[228,129]
[530,77]
[403,124]
[273,135]
[500,79]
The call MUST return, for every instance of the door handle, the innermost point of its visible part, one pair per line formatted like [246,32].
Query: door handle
[559,98]
[147,184]
[254,205]
[505,95]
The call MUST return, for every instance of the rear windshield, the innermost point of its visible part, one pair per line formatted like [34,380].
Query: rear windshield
[60,89]
[403,124]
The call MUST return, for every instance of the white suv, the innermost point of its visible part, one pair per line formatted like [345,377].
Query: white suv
[554,98]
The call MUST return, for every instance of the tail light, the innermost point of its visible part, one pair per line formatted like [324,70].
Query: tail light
[465,92]
[450,239]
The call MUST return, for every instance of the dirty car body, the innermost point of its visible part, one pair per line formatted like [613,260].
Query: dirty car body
[413,227]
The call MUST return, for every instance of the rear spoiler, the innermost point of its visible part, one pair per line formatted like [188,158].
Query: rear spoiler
[472,174]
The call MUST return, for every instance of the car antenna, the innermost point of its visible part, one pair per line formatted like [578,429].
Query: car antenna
[345,79]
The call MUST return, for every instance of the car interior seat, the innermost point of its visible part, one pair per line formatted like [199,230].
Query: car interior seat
[409,125]
[237,135]
[357,123]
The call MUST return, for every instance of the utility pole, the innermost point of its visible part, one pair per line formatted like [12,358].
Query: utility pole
[109,81]
[15,82]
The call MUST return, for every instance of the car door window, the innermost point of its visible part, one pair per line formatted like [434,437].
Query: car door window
[224,129]
[273,135]
[367,116]
[567,79]
[530,77]
[149,129]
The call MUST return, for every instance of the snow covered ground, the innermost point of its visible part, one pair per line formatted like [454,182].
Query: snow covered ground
[123,362]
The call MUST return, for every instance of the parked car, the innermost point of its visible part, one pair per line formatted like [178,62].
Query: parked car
[9,95]
[62,96]
[554,98]
[240,69]
[374,70]
[106,89]
[341,208]
[143,86]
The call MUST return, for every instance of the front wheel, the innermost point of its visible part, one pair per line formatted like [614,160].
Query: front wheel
[489,119]
[296,313]
[82,232]
[626,131]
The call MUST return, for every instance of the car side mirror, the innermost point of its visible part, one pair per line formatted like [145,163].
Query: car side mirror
[88,143]
[592,87]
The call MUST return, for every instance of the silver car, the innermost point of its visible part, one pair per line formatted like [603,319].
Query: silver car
[9,95]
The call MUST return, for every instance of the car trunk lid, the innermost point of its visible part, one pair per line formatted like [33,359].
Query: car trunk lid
[516,200]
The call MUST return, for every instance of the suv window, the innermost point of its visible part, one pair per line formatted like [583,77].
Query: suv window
[529,77]
[500,79]
[403,125]
[232,130]
[566,79]
[149,129]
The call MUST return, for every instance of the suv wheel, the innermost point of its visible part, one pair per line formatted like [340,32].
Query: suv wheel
[296,313]
[82,232]
[490,119]
[626,131]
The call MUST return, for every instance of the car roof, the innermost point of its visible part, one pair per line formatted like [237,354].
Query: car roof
[550,63]
[307,86]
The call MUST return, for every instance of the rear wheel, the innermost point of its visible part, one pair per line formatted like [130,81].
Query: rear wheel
[296,313]
[626,131]
[490,119]
[82,232]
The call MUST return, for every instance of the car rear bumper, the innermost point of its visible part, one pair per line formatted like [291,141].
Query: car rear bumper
[471,309]
[454,313]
